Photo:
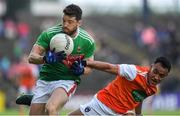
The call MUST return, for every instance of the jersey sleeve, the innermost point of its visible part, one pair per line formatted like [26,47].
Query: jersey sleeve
[90,50]
[127,71]
[43,40]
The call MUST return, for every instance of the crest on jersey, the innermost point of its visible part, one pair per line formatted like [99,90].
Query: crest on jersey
[87,109]
[78,49]
[142,73]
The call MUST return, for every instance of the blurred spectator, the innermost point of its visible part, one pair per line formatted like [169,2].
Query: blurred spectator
[5,65]
[163,38]
[23,30]
[10,29]
[17,51]
[24,36]
[168,40]
[25,76]
[149,38]
[174,43]
[1,29]
[137,33]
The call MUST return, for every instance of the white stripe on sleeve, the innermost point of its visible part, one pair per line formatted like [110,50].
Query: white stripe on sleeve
[127,71]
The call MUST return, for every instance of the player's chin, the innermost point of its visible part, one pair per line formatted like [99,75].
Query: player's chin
[154,82]
[66,31]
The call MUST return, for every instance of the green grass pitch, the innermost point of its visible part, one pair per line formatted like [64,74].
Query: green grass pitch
[65,112]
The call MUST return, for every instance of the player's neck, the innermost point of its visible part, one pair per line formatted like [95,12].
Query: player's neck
[75,33]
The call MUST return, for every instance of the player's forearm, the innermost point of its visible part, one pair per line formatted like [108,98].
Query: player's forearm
[35,58]
[138,110]
[103,66]
[87,70]
[36,55]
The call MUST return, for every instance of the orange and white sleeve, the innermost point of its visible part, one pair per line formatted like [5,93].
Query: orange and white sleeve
[127,71]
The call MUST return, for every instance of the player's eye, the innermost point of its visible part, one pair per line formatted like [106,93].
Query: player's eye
[70,21]
[162,76]
[155,71]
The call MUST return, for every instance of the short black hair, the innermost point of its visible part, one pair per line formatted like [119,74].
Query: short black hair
[164,62]
[73,10]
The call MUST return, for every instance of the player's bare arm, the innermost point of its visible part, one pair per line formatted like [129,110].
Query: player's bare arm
[138,109]
[36,55]
[103,66]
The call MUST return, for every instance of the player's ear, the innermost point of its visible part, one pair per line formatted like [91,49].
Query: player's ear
[79,22]
[151,66]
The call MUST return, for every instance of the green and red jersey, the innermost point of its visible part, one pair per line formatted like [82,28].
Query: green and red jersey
[83,45]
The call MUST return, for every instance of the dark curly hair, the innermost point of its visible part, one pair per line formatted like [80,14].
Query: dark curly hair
[73,10]
[164,62]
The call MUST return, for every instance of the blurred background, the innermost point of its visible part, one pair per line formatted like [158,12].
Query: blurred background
[125,31]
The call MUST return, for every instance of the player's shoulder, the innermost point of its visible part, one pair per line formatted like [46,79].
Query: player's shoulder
[142,68]
[135,67]
[54,29]
[85,35]
[127,67]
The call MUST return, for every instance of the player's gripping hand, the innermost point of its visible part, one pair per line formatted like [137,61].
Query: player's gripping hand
[77,67]
[52,57]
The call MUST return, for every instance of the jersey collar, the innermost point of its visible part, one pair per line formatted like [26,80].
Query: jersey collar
[76,33]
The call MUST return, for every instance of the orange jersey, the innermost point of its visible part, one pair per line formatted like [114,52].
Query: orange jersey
[128,89]
[27,78]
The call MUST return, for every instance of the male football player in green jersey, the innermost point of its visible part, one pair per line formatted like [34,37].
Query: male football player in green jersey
[57,82]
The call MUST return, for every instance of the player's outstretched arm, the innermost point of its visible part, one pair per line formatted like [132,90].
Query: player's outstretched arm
[103,66]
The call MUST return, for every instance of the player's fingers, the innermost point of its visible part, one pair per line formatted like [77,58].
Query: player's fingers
[53,50]
[61,53]
[75,65]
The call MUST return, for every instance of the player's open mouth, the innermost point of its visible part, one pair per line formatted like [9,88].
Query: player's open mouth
[154,81]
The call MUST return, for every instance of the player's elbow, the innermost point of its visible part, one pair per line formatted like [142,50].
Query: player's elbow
[112,68]
[30,59]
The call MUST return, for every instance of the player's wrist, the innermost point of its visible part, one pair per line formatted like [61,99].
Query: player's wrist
[44,59]
[84,63]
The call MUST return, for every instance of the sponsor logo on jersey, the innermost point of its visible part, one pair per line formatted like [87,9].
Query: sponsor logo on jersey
[139,95]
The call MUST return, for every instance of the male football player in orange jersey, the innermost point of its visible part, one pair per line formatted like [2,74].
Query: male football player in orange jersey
[127,91]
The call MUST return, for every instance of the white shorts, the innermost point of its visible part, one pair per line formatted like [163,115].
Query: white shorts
[44,89]
[95,107]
